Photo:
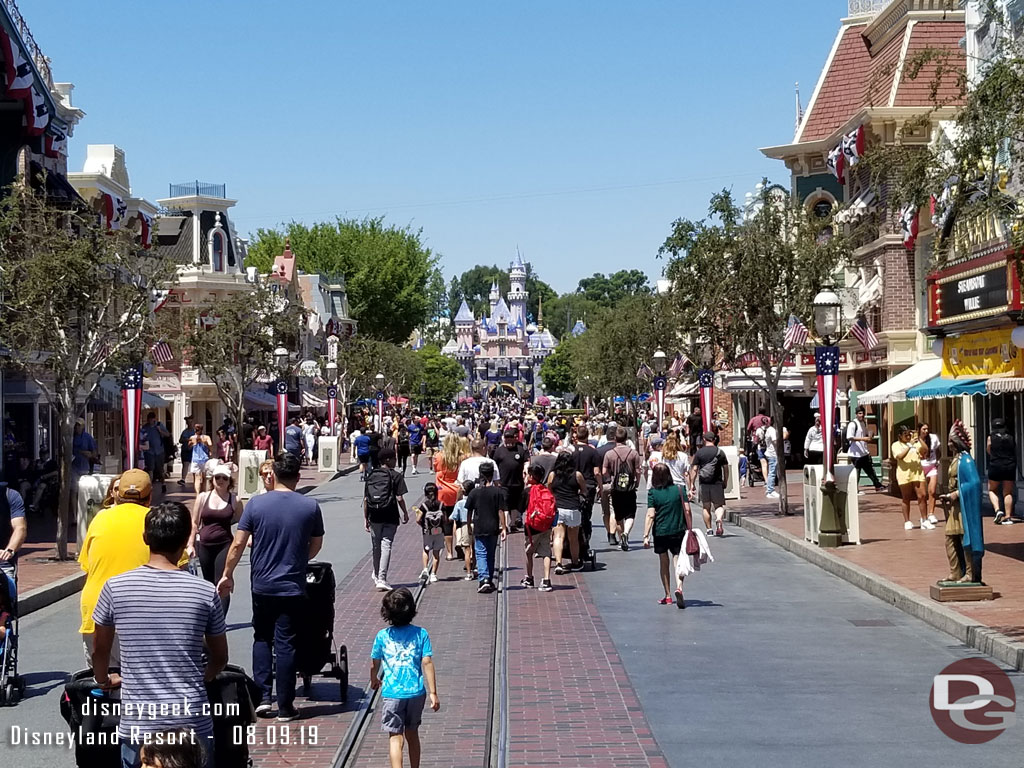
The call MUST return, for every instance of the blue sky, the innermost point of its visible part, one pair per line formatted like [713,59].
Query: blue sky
[577,131]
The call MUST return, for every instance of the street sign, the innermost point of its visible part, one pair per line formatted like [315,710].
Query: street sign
[660,382]
[332,391]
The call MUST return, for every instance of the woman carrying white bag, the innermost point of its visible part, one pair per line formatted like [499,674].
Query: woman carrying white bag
[668,517]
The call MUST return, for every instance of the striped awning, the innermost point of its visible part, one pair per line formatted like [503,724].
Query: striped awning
[894,390]
[1000,386]
[940,387]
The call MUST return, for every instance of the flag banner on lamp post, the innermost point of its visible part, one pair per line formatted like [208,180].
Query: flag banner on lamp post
[826,365]
[281,391]
[332,409]
[706,380]
[660,385]
[131,412]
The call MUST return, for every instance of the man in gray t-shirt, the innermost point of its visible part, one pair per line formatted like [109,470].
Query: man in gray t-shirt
[162,616]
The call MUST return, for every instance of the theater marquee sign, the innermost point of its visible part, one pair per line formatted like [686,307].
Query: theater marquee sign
[973,292]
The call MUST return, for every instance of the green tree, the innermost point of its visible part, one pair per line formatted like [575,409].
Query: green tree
[610,290]
[232,341]
[387,269]
[77,306]
[437,328]
[736,281]
[561,314]
[442,376]
[558,370]
[474,285]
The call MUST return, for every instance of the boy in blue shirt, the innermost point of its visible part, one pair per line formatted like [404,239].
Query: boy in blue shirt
[404,651]
[460,519]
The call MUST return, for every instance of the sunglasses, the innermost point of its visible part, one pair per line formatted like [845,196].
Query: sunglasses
[218,478]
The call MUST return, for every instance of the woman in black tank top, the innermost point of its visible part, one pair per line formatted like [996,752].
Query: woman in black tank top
[213,514]
[1002,470]
[567,485]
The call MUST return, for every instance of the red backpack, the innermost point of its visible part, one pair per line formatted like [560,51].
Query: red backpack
[540,509]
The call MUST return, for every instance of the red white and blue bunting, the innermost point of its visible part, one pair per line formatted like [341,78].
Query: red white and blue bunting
[20,82]
[847,154]
[114,210]
[146,233]
[909,225]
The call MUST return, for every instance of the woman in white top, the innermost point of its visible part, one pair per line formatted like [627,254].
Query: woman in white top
[931,452]
[677,461]
[309,432]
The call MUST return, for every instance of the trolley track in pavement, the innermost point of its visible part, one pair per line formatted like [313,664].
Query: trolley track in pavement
[444,737]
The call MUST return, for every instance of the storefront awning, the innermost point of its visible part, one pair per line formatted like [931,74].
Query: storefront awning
[738,381]
[685,389]
[309,400]
[1009,384]
[264,401]
[940,387]
[894,390]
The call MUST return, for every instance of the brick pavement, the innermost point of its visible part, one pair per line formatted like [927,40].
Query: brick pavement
[915,559]
[571,703]
[461,626]
[357,621]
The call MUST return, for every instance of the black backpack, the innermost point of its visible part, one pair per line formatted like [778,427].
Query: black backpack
[624,479]
[380,489]
[709,472]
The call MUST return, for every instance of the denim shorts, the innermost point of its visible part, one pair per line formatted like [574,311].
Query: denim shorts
[401,715]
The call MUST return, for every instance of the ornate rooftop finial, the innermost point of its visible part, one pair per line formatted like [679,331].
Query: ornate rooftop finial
[799,111]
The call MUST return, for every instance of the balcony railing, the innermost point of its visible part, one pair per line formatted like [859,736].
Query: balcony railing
[199,189]
[866,7]
[42,63]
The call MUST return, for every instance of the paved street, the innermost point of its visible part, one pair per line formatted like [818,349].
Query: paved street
[772,661]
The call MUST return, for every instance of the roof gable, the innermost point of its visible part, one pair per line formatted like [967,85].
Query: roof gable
[938,35]
[840,90]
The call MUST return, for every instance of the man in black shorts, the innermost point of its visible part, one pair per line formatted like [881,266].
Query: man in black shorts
[708,471]
[511,457]
[622,469]
[589,465]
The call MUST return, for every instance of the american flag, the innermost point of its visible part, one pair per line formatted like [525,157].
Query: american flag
[161,353]
[131,411]
[676,369]
[863,333]
[706,381]
[826,365]
[796,334]
[644,371]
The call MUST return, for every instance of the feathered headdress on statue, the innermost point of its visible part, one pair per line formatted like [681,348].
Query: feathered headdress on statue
[959,436]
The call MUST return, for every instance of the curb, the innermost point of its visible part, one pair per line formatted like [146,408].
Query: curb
[967,631]
[41,597]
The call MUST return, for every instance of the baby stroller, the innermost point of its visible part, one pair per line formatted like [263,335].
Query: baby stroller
[12,685]
[316,646]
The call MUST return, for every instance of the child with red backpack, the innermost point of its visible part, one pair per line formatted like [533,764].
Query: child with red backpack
[538,520]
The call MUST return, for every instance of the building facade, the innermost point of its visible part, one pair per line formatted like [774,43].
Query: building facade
[501,352]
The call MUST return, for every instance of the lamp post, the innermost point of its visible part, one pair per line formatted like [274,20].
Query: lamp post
[379,381]
[706,381]
[827,312]
[281,393]
[659,363]
[332,396]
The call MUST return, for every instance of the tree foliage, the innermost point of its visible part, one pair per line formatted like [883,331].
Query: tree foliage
[232,341]
[442,376]
[613,288]
[387,269]
[474,285]
[77,306]
[558,370]
[736,281]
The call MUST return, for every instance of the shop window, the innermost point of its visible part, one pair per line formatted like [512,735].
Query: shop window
[217,252]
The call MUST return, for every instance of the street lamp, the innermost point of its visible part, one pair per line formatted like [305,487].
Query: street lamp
[281,392]
[379,379]
[827,316]
[659,363]
[827,305]
[332,372]
[706,380]
[281,359]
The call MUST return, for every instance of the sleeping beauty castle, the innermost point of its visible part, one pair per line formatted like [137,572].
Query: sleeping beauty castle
[502,352]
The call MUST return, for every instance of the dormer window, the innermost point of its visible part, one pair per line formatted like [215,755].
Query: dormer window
[217,248]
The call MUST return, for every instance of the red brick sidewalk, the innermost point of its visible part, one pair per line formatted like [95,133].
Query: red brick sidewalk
[37,567]
[571,704]
[915,559]
[356,622]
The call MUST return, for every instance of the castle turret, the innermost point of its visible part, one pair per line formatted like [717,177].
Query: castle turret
[518,295]
[493,296]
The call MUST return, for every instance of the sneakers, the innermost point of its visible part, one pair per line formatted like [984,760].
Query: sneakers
[933,520]
[383,586]
[612,540]
[719,530]
[545,585]
[424,575]
[468,577]
[908,526]
[624,543]
[264,709]
[927,525]
[773,495]
[709,532]
[433,578]
[287,715]
[1003,519]
[527,582]
[414,470]
[560,570]
[486,587]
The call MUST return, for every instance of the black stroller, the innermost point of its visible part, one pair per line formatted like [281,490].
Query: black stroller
[316,646]
[12,685]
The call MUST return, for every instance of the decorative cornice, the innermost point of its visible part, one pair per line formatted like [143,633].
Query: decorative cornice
[886,24]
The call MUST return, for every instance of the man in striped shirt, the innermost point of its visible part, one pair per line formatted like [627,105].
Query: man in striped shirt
[162,616]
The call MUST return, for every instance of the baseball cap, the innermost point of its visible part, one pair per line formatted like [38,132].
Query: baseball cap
[656,440]
[134,484]
[709,436]
[612,425]
[511,433]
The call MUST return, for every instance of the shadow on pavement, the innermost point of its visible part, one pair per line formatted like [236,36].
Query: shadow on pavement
[41,683]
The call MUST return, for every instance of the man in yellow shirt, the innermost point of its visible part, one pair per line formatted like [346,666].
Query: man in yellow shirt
[113,545]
